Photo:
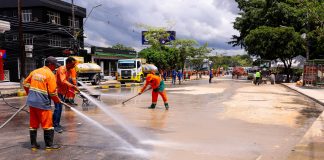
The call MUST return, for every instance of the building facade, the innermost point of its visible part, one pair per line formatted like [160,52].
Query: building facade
[47,27]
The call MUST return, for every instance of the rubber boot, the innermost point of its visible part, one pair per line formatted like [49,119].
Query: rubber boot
[49,137]
[166,106]
[152,106]
[33,139]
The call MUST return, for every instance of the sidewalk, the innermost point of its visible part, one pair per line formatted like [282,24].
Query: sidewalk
[311,146]
[9,89]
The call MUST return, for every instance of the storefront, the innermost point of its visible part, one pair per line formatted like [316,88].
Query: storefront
[107,58]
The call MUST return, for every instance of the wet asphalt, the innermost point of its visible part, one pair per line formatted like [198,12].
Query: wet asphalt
[232,120]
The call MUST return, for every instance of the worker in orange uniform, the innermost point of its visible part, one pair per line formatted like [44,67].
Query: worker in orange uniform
[72,77]
[63,86]
[157,84]
[40,85]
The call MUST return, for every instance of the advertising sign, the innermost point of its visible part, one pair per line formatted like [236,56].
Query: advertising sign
[172,37]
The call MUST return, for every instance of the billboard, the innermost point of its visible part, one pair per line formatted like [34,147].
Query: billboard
[172,37]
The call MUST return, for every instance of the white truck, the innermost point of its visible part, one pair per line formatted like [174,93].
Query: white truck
[86,72]
[133,70]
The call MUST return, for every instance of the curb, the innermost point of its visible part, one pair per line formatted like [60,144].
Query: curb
[305,148]
[13,93]
[317,101]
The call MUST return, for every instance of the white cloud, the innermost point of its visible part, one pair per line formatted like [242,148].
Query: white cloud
[205,21]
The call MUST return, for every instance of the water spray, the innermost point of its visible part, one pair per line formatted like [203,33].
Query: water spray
[112,133]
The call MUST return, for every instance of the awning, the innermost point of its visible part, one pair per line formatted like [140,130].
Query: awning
[114,55]
[4,26]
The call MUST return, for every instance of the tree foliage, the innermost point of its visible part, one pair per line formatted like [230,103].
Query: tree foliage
[272,29]
[231,61]
[122,47]
[305,16]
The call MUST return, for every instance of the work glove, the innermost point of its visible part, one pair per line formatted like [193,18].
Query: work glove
[76,88]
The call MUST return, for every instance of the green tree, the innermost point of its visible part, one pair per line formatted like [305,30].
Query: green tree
[275,42]
[122,47]
[186,49]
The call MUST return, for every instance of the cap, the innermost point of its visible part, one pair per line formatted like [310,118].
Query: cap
[52,60]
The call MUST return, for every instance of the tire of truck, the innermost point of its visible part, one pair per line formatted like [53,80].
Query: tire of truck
[96,79]
[142,79]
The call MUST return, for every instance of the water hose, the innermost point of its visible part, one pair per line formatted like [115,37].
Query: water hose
[10,104]
[22,107]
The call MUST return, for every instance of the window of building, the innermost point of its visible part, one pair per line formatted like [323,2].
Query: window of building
[55,41]
[14,13]
[14,37]
[76,22]
[28,39]
[54,17]
[26,15]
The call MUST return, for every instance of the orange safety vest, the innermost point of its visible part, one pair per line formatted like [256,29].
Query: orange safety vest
[152,80]
[62,78]
[40,84]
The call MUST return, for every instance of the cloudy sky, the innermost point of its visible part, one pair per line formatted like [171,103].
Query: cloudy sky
[115,21]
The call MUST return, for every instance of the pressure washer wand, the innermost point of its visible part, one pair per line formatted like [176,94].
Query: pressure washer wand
[22,107]
[66,105]
[134,96]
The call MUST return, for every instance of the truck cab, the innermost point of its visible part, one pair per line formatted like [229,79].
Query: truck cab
[130,70]
[86,72]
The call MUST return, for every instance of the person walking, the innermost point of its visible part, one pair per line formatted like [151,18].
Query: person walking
[257,77]
[210,75]
[40,86]
[174,77]
[63,87]
[179,76]
[157,84]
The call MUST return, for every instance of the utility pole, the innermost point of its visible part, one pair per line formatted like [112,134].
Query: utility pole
[21,43]
[73,26]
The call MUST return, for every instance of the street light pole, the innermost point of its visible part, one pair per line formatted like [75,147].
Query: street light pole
[21,44]
[304,36]
[90,13]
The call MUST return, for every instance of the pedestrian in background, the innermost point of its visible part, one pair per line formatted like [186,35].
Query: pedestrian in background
[257,77]
[210,75]
[174,76]
[165,75]
[179,76]
[40,86]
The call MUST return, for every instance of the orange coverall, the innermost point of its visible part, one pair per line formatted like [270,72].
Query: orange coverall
[155,82]
[40,85]
[71,77]
[62,78]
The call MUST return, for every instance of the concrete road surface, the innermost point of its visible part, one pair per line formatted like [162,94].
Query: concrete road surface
[225,120]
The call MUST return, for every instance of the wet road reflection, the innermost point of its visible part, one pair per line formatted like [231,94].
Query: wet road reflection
[222,120]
